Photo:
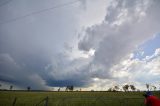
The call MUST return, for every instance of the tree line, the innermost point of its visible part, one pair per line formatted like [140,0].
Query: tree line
[128,87]
[125,88]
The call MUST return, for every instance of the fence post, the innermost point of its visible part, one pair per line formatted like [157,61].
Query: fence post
[14,101]
[46,103]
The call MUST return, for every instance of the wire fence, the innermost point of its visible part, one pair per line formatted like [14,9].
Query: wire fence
[76,101]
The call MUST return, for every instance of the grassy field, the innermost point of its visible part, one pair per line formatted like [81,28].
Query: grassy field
[24,98]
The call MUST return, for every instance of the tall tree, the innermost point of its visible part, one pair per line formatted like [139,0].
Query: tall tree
[66,88]
[116,88]
[125,87]
[110,89]
[11,87]
[69,88]
[133,88]
[147,86]
[59,89]
[28,88]
[154,88]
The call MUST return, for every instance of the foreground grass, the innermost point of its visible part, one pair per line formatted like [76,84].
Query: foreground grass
[72,98]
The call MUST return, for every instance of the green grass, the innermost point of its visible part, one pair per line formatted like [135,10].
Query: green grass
[72,98]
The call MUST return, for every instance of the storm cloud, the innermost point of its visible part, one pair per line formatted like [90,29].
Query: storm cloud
[53,49]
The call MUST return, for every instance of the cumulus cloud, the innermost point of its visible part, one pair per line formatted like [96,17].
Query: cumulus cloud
[126,25]
[139,71]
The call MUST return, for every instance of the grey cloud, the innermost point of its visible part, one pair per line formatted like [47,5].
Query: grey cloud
[84,3]
[63,72]
[89,41]
[32,50]
[112,43]
[29,44]
[19,75]
[112,40]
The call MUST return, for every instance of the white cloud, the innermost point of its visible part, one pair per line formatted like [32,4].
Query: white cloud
[93,13]
[113,42]
[138,71]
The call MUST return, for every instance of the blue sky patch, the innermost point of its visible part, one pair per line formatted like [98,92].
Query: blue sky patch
[148,47]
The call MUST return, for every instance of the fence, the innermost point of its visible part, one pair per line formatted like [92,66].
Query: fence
[77,101]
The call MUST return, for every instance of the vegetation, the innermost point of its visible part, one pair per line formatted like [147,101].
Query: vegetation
[28,88]
[69,88]
[11,87]
[73,98]
[125,87]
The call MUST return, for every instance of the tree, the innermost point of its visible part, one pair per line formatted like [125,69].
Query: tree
[125,87]
[110,90]
[116,88]
[69,88]
[80,89]
[147,86]
[66,88]
[28,88]
[11,87]
[59,89]
[154,88]
[133,88]
[138,90]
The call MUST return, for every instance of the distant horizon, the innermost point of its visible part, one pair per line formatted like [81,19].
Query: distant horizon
[79,89]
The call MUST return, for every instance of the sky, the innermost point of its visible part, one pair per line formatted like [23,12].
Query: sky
[90,44]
